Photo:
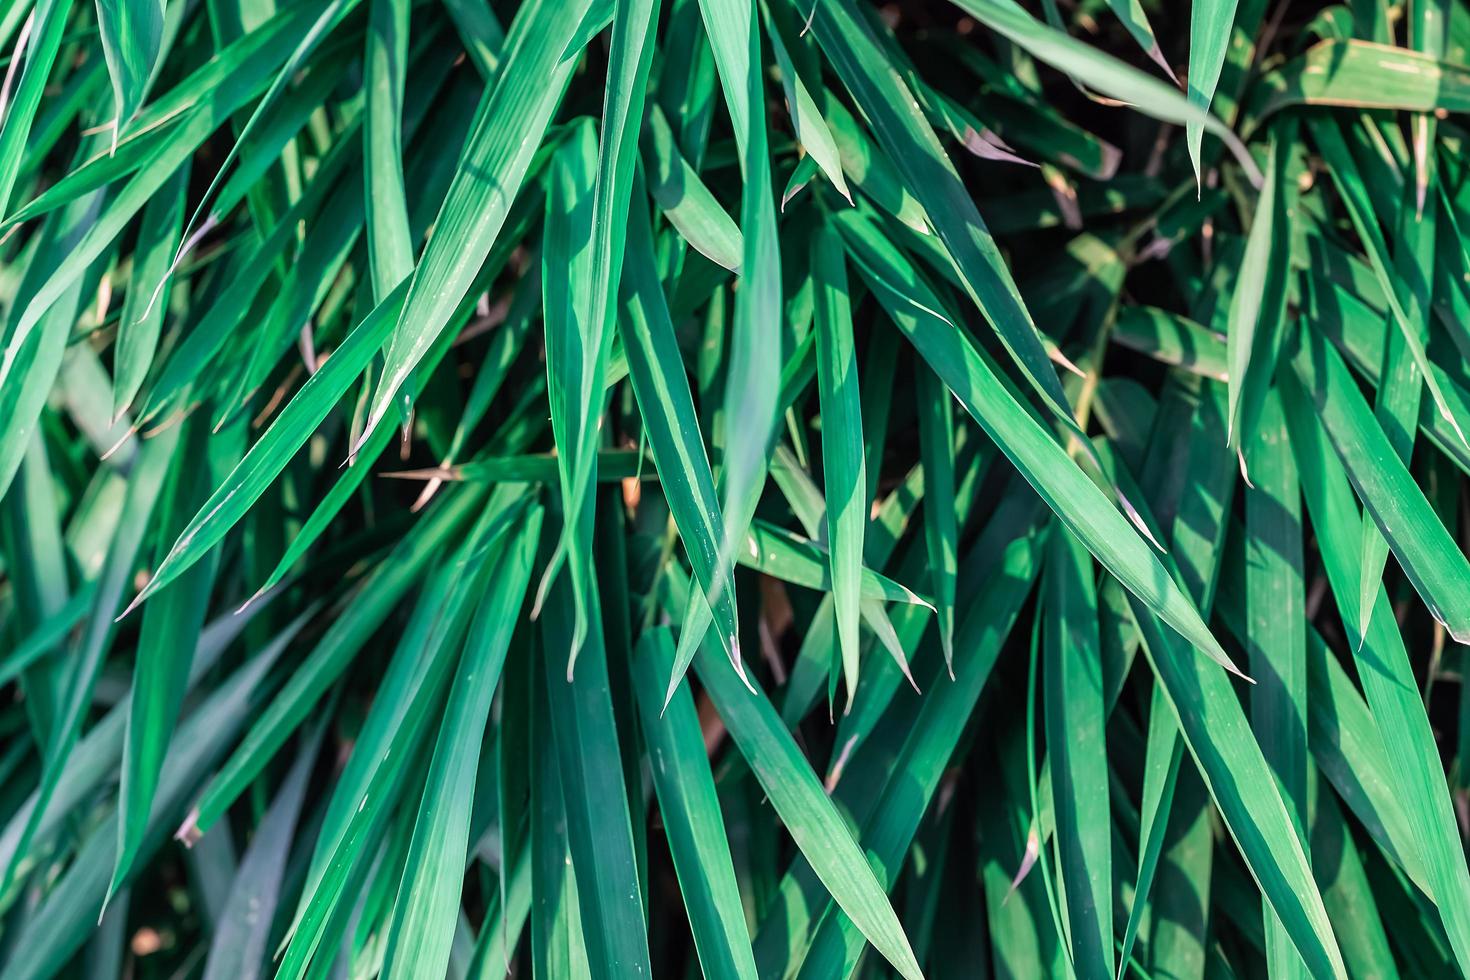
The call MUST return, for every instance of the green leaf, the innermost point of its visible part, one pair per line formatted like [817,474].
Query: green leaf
[395,734]
[1383,664]
[364,614]
[1349,183]
[811,129]
[911,763]
[599,832]
[422,923]
[147,300]
[1428,555]
[1401,388]
[143,493]
[557,947]
[869,167]
[1242,786]
[164,651]
[808,815]
[1076,742]
[941,524]
[132,34]
[1044,464]
[685,199]
[752,388]
[844,480]
[239,946]
[1209,37]
[73,905]
[390,244]
[1113,78]
[1164,750]
[790,558]
[671,425]
[577,349]
[497,155]
[929,175]
[1131,13]
[39,359]
[1276,604]
[1361,73]
[520,261]
[1258,305]
[690,811]
[593,302]
[47,22]
[236,73]
[1173,340]
[274,449]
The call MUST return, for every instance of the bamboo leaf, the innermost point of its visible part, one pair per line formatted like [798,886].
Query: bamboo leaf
[132,33]
[1209,34]
[508,127]
[421,927]
[1075,720]
[844,480]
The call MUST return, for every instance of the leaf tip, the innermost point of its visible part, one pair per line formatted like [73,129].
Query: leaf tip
[189,833]
[138,599]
